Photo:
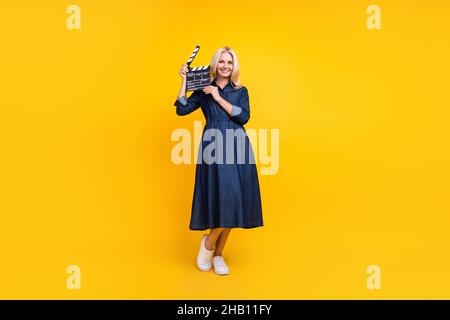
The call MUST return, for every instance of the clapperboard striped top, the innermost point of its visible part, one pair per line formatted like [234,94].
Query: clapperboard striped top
[194,53]
[200,68]
[197,77]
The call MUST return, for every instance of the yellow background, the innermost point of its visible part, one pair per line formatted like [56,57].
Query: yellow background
[86,176]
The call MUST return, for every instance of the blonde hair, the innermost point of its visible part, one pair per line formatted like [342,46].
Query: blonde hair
[234,74]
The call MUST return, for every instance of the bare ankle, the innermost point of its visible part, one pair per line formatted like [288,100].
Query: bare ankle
[208,244]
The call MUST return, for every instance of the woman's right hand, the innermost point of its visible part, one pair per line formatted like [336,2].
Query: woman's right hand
[183,71]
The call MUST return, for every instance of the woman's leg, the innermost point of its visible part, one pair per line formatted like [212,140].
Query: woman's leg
[212,238]
[221,240]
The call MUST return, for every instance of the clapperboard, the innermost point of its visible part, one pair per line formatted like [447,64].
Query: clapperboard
[198,77]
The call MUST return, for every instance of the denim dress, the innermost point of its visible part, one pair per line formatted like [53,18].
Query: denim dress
[226,191]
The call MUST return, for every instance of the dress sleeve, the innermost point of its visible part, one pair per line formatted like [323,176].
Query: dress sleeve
[243,115]
[186,106]
[235,110]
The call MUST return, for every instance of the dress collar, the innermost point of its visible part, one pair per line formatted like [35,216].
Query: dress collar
[227,85]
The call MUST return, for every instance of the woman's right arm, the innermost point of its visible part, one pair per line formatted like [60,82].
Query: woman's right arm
[183,71]
[186,105]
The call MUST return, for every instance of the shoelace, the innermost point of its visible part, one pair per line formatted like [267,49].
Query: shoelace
[205,261]
[206,258]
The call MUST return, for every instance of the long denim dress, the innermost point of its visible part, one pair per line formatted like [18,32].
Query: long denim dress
[226,191]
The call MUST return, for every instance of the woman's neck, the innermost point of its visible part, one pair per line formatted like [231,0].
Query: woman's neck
[221,82]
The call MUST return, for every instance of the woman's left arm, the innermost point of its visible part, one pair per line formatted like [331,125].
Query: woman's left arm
[232,110]
[228,107]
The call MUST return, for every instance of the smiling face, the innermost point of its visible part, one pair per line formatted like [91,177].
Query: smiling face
[225,65]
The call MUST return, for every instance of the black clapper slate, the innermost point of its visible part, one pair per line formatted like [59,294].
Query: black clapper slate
[197,77]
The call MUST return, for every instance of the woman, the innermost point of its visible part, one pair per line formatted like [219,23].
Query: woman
[226,193]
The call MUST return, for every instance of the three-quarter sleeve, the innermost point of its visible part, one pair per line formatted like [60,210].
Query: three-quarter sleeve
[186,106]
[242,116]
[235,110]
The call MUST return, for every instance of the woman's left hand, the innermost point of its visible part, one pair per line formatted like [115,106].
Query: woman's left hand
[214,91]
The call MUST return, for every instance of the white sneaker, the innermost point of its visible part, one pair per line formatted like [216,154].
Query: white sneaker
[220,267]
[204,256]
